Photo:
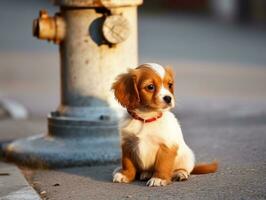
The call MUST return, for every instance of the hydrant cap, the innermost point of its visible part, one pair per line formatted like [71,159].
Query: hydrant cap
[98,3]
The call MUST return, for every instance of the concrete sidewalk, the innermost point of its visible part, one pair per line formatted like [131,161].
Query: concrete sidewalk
[233,132]
[13,185]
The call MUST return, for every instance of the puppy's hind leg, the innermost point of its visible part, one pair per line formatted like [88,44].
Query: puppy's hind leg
[184,164]
[180,175]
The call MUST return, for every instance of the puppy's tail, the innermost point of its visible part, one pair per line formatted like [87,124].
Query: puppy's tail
[205,168]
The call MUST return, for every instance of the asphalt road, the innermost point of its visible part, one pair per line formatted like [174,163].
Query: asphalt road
[231,132]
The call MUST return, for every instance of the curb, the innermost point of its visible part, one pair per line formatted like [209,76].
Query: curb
[13,185]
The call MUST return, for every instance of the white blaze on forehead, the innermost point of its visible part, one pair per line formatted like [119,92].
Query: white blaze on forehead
[157,68]
[165,92]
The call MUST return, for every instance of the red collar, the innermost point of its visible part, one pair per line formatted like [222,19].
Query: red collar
[135,116]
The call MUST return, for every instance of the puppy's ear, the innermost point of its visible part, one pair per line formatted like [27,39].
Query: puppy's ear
[126,91]
[170,71]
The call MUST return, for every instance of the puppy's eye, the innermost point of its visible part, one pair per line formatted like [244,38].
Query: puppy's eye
[170,85]
[150,87]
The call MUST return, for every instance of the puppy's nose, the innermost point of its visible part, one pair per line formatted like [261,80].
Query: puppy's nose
[167,99]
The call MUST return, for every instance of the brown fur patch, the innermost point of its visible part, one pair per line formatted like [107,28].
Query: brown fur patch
[205,168]
[168,81]
[165,162]
[129,144]
[169,70]
[145,77]
[125,90]
[128,166]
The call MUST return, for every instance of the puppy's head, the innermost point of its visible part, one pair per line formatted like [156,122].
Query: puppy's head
[149,87]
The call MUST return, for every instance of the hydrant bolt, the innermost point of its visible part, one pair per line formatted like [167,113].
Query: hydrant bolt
[49,28]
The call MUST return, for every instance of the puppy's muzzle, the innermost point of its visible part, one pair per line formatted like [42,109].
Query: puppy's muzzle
[167,99]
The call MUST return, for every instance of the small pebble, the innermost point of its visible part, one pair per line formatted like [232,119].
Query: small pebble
[56,184]
[4,174]
[43,193]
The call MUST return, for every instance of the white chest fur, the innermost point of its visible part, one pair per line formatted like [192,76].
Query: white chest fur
[165,130]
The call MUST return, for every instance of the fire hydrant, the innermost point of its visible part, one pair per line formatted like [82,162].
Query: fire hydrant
[97,41]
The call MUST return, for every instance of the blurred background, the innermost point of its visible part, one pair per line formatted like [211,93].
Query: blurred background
[217,48]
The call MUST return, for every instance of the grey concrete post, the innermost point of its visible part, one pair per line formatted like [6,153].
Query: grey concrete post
[98,41]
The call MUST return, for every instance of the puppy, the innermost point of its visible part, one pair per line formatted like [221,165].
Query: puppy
[151,139]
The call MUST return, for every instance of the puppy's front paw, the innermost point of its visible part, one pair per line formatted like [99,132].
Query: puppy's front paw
[118,169]
[154,182]
[118,177]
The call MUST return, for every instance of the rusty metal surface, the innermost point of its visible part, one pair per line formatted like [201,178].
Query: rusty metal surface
[83,129]
[89,64]
[98,3]
[89,61]
[49,28]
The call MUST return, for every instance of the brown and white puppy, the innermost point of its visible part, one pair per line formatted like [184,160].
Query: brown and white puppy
[151,138]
